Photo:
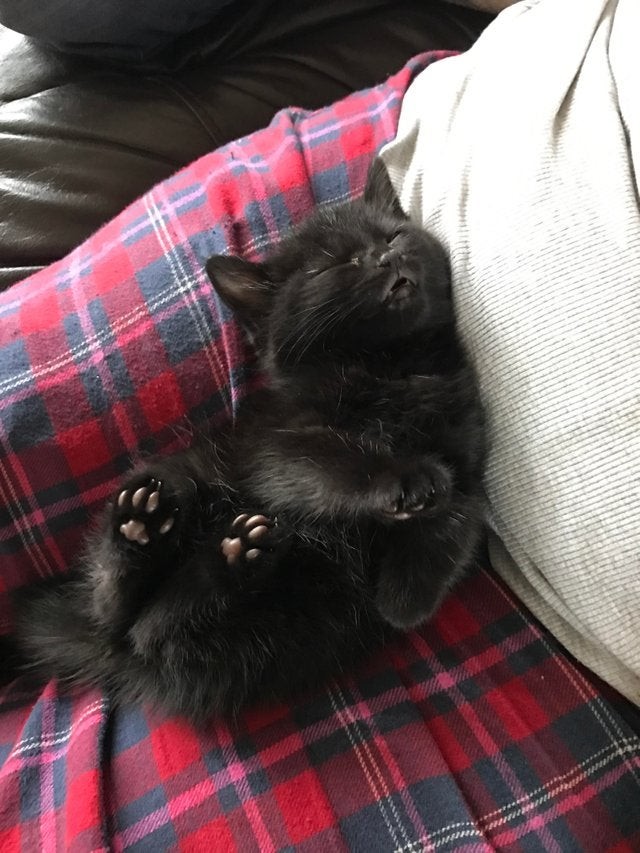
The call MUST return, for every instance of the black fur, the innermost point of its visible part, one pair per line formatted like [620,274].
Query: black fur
[364,455]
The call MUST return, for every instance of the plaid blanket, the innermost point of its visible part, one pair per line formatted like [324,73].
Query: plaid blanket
[476,733]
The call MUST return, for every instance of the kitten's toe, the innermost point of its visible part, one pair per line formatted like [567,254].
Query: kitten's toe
[145,498]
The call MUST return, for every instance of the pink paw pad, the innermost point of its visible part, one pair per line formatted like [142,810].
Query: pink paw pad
[250,530]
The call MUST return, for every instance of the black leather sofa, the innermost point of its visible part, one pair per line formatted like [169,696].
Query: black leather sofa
[80,138]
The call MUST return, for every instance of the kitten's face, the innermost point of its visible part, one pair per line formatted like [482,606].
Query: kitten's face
[355,277]
[365,279]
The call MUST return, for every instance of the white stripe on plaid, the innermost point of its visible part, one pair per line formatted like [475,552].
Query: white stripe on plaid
[58,738]
[370,768]
[518,809]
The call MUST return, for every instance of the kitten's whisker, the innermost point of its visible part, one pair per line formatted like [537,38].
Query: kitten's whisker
[323,326]
[317,307]
[302,331]
[312,333]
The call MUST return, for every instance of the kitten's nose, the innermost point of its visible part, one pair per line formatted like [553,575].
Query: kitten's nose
[389,257]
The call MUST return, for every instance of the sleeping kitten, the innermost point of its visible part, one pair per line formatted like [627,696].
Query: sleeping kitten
[346,499]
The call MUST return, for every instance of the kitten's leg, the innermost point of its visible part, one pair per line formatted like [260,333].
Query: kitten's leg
[155,521]
[316,472]
[417,562]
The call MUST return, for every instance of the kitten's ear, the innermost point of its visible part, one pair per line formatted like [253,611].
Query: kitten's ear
[379,191]
[244,286]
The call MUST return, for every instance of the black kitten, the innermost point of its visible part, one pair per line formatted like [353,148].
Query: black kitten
[346,499]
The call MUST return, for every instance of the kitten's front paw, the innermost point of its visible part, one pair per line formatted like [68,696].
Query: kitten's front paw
[251,537]
[144,512]
[423,490]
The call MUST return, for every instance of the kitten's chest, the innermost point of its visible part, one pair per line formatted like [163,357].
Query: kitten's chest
[398,406]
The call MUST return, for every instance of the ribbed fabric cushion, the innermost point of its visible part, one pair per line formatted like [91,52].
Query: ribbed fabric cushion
[520,154]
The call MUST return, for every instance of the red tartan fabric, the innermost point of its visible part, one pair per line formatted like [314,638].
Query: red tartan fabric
[475,733]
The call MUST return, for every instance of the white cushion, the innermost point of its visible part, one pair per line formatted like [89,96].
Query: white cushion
[519,155]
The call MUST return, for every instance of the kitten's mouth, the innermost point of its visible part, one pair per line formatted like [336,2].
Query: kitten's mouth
[398,290]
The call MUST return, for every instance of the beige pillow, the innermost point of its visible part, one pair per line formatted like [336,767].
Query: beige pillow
[521,155]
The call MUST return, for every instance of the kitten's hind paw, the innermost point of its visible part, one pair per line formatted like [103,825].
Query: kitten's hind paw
[251,537]
[143,512]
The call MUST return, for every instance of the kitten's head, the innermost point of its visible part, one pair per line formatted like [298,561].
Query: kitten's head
[353,277]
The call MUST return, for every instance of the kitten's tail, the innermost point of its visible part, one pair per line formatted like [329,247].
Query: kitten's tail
[52,637]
